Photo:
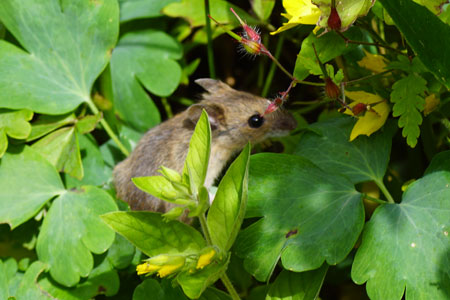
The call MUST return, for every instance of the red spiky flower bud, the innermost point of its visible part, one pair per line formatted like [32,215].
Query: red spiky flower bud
[331,89]
[359,108]
[334,21]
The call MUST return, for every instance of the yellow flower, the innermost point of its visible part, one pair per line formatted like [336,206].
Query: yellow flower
[374,115]
[146,268]
[373,62]
[163,264]
[299,12]
[205,259]
[169,269]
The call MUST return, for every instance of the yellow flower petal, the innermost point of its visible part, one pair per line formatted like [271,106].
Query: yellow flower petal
[299,12]
[363,97]
[169,269]
[371,121]
[146,268]
[205,259]
[373,62]
[431,102]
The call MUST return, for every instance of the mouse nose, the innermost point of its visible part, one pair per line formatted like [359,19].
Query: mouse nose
[286,122]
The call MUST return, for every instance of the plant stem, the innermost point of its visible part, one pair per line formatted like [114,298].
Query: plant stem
[205,230]
[384,190]
[376,44]
[272,66]
[366,77]
[373,199]
[108,129]
[167,107]
[227,283]
[212,70]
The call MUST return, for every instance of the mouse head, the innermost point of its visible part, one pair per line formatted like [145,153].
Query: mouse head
[236,117]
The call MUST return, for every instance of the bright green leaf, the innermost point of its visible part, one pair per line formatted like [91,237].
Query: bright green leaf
[95,171]
[3,142]
[121,252]
[46,124]
[144,59]
[157,186]
[440,162]
[228,208]
[23,190]
[328,47]
[4,278]
[195,284]
[263,8]
[197,159]
[408,98]
[61,149]
[298,286]
[194,12]
[425,33]
[348,11]
[87,123]
[55,72]
[309,216]
[405,246]
[16,123]
[363,159]
[149,233]
[71,230]
[137,9]
[29,288]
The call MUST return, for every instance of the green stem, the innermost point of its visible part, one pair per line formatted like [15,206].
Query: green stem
[384,190]
[205,230]
[108,129]
[212,70]
[376,44]
[366,77]
[167,107]
[227,283]
[373,199]
[272,66]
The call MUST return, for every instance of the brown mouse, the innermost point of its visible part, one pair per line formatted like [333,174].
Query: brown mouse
[235,118]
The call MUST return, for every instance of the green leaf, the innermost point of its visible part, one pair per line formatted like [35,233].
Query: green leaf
[408,98]
[309,216]
[150,234]
[193,11]
[4,278]
[157,186]
[137,9]
[71,230]
[29,288]
[103,279]
[23,190]
[214,294]
[405,246]
[328,47]
[15,123]
[46,124]
[328,147]
[61,149]
[425,33]
[263,8]
[194,284]
[88,123]
[159,291]
[228,208]
[196,163]
[121,252]
[440,162]
[298,286]
[55,72]
[3,142]
[95,171]
[144,59]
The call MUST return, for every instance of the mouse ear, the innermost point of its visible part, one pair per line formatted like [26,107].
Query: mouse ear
[212,85]
[216,115]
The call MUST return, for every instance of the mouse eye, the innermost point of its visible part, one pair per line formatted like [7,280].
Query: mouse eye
[256,121]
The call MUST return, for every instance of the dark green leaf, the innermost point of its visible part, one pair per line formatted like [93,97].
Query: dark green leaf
[408,98]
[440,162]
[61,149]
[149,233]
[309,216]
[263,8]
[137,9]
[121,252]
[228,209]
[144,58]
[72,229]
[298,286]
[67,44]
[196,163]
[214,294]
[426,34]
[163,291]
[328,147]
[23,190]
[406,245]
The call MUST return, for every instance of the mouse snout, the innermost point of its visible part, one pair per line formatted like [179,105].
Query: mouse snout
[285,122]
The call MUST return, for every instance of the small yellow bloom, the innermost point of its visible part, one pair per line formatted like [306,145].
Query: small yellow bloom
[169,269]
[431,102]
[205,259]
[146,268]
[373,118]
[373,62]
[299,12]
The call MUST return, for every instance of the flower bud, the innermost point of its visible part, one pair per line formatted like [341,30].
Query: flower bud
[334,21]
[359,108]
[331,89]
[251,47]
[206,258]
[170,174]
[174,213]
